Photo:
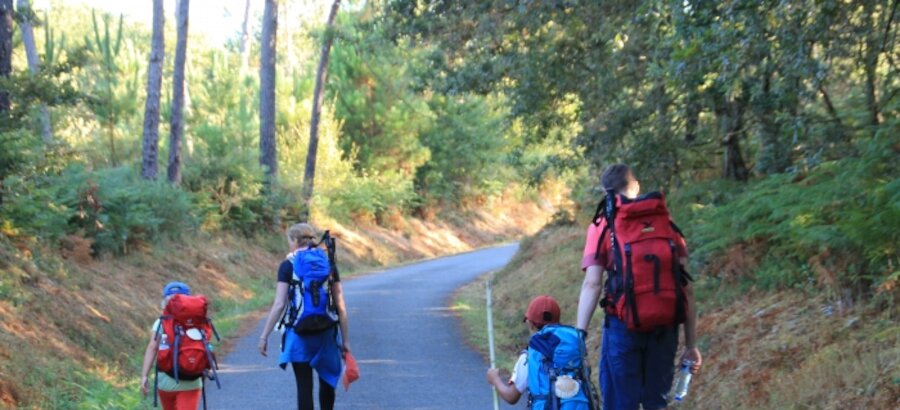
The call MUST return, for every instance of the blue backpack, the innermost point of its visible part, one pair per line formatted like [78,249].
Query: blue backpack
[312,308]
[557,352]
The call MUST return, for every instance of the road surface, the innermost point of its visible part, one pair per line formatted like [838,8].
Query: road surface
[408,344]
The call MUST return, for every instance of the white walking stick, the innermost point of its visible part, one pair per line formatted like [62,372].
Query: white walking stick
[490,328]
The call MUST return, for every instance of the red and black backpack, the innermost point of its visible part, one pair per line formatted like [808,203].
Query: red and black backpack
[645,289]
[184,334]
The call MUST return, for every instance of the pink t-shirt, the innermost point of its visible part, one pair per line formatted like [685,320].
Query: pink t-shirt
[591,258]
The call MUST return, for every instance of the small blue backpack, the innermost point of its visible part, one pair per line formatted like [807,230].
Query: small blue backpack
[555,352]
[312,308]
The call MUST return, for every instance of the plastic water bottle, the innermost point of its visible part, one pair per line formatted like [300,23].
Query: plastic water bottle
[684,380]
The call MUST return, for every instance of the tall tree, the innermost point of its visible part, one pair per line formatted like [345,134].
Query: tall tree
[309,174]
[150,155]
[245,38]
[870,58]
[25,16]
[267,151]
[176,123]
[6,28]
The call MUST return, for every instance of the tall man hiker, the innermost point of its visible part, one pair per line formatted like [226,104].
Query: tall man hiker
[646,296]
[552,369]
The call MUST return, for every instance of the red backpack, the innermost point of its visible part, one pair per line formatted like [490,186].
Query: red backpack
[184,334]
[645,290]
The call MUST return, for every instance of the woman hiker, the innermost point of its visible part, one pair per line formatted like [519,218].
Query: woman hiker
[310,342]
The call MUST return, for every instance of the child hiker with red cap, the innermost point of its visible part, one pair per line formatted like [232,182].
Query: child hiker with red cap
[552,368]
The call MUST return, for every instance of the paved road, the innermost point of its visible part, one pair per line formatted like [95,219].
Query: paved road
[408,344]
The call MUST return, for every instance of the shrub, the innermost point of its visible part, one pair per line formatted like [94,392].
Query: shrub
[113,207]
[836,224]
[365,198]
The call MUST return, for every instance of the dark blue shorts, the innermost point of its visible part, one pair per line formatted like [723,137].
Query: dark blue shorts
[636,368]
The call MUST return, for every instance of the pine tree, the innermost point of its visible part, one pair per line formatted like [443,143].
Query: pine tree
[309,175]
[176,123]
[150,155]
[267,150]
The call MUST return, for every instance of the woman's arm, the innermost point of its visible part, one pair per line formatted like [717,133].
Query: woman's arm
[149,357]
[591,289]
[281,290]
[342,311]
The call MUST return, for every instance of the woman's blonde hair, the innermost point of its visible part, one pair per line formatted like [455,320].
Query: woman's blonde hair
[302,235]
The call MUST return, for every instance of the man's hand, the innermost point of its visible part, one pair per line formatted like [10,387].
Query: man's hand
[693,354]
[144,385]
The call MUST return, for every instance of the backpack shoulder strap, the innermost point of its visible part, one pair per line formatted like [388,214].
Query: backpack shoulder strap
[331,250]
[611,223]
[600,241]
[676,228]
[598,213]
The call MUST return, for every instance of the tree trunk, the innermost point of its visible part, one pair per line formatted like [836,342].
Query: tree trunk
[870,64]
[692,120]
[6,28]
[176,124]
[731,123]
[829,106]
[34,62]
[318,95]
[150,155]
[268,157]
[245,39]
[773,156]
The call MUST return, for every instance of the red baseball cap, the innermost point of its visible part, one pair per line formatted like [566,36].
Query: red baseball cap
[542,310]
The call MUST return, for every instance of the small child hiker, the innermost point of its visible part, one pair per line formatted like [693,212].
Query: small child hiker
[551,369]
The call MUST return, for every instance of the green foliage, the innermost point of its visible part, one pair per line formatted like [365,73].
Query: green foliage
[468,144]
[115,83]
[114,207]
[381,115]
[228,188]
[222,167]
[682,91]
[839,218]
[367,197]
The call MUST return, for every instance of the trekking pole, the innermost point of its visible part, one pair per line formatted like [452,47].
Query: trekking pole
[490,328]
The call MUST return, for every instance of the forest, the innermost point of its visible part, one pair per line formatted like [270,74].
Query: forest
[772,126]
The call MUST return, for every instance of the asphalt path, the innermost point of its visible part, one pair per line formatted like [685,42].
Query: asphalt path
[407,341]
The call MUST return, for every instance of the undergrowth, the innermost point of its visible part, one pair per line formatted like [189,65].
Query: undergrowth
[831,229]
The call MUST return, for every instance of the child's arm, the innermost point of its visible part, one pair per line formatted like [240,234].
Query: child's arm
[149,358]
[506,391]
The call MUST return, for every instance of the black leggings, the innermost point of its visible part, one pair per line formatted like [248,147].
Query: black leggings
[304,375]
